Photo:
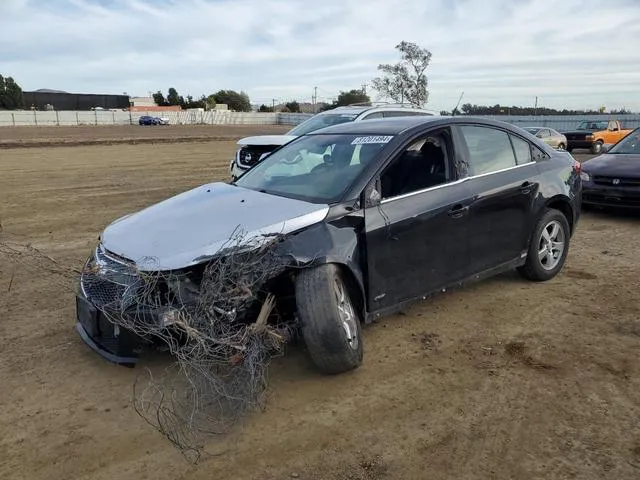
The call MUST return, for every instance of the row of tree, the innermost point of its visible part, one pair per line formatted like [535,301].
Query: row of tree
[344,98]
[469,109]
[238,101]
[10,94]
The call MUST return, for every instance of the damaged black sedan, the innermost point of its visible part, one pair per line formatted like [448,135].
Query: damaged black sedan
[338,227]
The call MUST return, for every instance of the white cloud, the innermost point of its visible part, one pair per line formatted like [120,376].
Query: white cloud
[572,53]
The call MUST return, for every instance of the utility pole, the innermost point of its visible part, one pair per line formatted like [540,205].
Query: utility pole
[535,109]
[273,104]
[315,98]
[364,88]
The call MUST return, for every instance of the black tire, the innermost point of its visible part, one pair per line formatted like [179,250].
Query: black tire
[561,146]
[323,330]
[596,148]
[534,269]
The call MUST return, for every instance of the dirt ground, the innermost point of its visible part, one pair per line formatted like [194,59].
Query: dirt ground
[15,137]
[506,379]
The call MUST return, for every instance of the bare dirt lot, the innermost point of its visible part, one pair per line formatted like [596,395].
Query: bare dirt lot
[14,137]
[506,379]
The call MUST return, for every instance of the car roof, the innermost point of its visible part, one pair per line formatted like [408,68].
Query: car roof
[400,125]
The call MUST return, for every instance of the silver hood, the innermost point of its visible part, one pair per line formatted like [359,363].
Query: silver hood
[186,229]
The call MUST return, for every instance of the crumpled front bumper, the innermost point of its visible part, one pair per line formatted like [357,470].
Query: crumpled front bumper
[110,341]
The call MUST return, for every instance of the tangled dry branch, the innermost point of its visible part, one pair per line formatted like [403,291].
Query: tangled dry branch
[221,326]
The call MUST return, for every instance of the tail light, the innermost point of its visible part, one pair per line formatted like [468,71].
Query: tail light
[578,167]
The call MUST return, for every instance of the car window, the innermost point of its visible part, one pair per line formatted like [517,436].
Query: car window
[423,164]
[321,120]
[522,149]
[373,116]
[489,149]
[402,113]
[544,133]
[317,168]
[538,154]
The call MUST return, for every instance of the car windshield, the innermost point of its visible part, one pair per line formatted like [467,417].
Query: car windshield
[591,125]
[315,168]
[629,144]
[532,130]
[320,121]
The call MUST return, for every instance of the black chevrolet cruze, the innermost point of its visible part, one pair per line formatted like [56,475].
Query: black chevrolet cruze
[371,215]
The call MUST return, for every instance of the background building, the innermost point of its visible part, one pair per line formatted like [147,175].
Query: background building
[45,99]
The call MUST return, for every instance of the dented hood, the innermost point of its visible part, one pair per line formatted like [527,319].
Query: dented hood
[189,228]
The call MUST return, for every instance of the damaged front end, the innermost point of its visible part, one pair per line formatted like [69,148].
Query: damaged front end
[123,306]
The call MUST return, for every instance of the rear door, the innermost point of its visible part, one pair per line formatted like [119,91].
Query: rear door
[416,236]
[503,182]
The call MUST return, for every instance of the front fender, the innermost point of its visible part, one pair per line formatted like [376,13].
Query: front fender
[324,243]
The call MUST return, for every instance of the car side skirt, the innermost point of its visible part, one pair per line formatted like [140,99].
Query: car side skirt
[505,267]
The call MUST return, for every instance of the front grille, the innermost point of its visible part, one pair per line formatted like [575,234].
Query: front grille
[616,181]
[249,156]
[575,136]
[110,281]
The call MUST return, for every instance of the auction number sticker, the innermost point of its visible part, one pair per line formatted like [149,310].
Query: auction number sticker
[363,140]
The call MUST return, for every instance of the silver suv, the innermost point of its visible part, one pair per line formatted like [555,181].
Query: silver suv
[253,149]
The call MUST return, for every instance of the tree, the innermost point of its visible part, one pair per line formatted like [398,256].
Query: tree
[352,96]
[173,98]
[405,81]
[236,101]
[293,107]
[159,99]
[210,101]
[10,94]
[264,108]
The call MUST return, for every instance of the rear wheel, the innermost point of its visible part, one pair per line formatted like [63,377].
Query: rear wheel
[561,146]
[548,247]
[330,325]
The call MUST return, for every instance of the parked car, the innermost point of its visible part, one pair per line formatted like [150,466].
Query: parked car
[372,215]
[593,134]
[253,149]
[613,178]
[549,136]
[147,120]
[163,120]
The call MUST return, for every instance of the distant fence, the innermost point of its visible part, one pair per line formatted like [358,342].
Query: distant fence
[223,117]
[564,122]
[97,117]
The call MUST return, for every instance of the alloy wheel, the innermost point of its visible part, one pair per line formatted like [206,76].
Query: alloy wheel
[551,245]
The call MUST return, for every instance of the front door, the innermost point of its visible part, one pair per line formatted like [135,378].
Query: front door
[416,237]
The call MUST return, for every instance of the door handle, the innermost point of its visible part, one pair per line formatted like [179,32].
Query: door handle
[458,211]
[525,188]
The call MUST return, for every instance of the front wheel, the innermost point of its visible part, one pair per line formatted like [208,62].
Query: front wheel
[596,148]
[330,325]
[548,247]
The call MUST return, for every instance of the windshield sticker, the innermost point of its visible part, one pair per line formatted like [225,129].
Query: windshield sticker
[379,139]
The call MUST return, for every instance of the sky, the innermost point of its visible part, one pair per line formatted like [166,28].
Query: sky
[569,53]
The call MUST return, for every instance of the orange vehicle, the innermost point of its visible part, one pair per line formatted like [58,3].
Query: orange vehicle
[592,134]
[610,136]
